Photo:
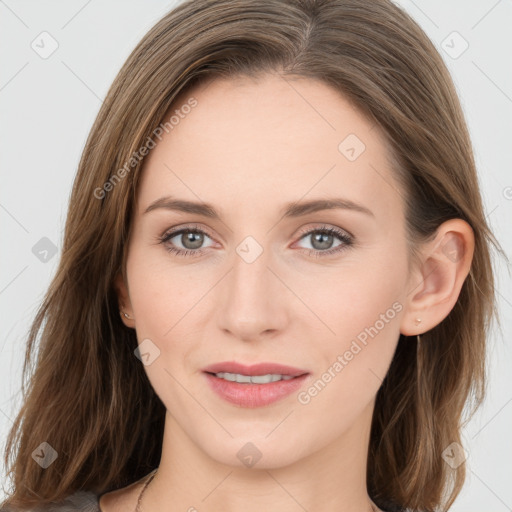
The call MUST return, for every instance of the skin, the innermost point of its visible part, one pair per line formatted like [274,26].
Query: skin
[249,147]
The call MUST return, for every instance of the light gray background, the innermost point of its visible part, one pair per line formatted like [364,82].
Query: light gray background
[47,106]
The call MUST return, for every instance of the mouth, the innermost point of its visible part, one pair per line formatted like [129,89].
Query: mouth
[276,371]
[256,385]
[251,379]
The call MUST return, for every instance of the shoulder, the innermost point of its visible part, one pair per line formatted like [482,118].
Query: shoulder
[87,501]
[80,501]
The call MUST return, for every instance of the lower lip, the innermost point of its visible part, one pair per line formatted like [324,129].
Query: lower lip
[254,395]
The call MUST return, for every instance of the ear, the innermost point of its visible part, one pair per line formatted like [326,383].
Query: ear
[125,306]
[435,285]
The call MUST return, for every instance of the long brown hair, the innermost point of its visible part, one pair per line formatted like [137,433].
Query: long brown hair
[89,398]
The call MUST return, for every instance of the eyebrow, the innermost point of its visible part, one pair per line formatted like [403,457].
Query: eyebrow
[290,210]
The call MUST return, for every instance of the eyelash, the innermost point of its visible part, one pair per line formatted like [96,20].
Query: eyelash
[346,239]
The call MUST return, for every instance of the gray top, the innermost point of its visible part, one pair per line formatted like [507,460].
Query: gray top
[82,501]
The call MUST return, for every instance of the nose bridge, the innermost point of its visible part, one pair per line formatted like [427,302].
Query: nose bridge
[253,301]
[250,275]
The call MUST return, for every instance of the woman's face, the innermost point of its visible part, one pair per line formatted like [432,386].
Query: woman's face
[259,285]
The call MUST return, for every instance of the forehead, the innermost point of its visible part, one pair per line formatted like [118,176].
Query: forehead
[252,143]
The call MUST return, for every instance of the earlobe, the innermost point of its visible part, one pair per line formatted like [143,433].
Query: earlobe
[125,308]
[446,262]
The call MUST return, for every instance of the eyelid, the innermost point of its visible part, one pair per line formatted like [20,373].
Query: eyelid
[324,226]
[186,227]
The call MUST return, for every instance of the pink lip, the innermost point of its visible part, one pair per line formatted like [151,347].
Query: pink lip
[255,369]
[254,395]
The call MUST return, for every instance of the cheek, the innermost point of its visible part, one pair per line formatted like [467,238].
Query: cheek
[163,292]
[364,312]
[163,301]
[360,307]
[362,287]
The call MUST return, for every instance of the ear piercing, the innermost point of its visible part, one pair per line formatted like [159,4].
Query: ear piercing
[417,321]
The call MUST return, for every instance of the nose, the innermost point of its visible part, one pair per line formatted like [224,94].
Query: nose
[252,301]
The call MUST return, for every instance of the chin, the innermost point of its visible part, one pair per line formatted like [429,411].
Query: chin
[255,452]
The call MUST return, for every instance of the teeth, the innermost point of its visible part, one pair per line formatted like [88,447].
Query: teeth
[252,379]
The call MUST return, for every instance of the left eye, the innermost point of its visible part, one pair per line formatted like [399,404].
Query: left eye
[192,239]
[322,240]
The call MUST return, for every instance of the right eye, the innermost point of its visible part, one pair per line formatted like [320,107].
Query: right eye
[190,238]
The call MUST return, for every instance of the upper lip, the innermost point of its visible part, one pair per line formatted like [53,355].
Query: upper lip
[255,369]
